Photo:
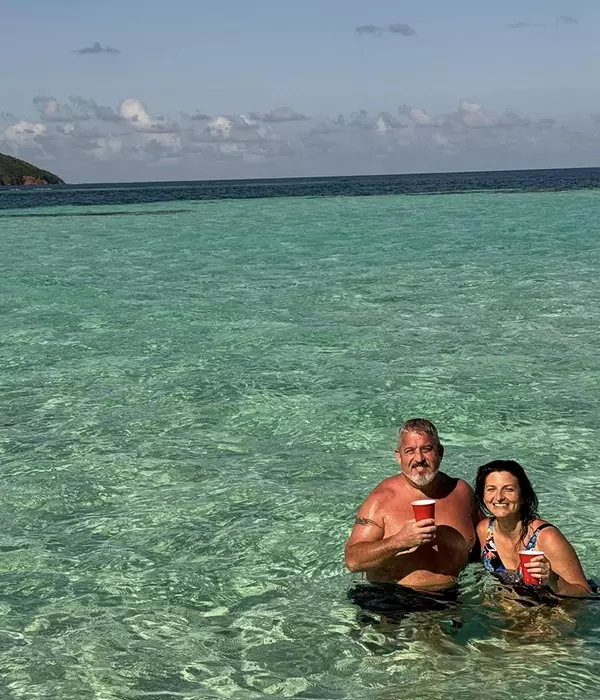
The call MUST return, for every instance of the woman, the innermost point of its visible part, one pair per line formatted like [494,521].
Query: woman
[505,492]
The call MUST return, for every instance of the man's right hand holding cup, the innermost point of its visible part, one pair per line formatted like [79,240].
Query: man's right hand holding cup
[415,533]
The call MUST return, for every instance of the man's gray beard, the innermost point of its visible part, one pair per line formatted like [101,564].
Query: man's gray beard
[423,479]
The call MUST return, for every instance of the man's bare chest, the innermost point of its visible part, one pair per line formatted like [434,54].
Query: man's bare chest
[453,517]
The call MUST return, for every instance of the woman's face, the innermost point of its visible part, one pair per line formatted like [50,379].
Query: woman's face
[501,494]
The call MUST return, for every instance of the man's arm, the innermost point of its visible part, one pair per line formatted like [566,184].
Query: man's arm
[367,548]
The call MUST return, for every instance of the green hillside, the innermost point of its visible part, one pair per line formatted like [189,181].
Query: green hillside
[17,172]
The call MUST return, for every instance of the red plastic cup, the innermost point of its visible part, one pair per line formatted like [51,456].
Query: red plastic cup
[424,509]
[526,555]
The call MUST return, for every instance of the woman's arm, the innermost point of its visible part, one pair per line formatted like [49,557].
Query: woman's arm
[559,568]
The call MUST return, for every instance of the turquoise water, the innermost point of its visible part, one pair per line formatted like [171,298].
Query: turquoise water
[195,403]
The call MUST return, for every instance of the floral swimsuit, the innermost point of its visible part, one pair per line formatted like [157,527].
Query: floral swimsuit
[491,558]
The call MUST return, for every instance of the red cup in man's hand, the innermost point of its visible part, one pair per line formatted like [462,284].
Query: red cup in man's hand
[424,509]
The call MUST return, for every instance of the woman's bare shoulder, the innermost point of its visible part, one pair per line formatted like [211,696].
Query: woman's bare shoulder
[543,527]
[549,535]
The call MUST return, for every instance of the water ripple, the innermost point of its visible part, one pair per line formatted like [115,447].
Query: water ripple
[195,407]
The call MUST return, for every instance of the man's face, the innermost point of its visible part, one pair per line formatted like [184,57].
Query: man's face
[419,456]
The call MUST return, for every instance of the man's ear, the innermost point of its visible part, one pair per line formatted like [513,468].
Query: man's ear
[397,453]
[441,450]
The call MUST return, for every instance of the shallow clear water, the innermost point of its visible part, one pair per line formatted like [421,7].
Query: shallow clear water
[195,403]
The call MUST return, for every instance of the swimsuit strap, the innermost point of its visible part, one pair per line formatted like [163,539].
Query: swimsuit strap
[534,537]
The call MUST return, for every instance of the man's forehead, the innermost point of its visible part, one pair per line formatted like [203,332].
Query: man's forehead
[411,437]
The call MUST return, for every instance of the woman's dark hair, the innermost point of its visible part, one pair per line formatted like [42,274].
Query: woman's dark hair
[529,501]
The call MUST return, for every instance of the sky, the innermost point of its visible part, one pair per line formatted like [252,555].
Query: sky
[197,89]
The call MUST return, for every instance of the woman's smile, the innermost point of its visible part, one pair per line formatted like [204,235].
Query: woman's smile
[502,495]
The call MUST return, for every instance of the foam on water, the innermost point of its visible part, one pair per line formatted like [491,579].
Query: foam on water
[194,406]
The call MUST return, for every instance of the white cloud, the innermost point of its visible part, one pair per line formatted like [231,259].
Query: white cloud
[513,118]
[359,119]
[469,115]
[442,140]
[106,148]
[247,121]
[235,128]
[422,118]
[170,143]
[66,129]
[220,126]
[161,146]
[474,116]
[25,133]
[386,122]
[283,114]
[90,108]
[51,111]
[136,114]
[82,136]
[392,121]
[381,126]
[197,116]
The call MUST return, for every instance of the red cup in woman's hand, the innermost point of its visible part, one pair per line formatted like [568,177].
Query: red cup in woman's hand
[424,509]
[525,556]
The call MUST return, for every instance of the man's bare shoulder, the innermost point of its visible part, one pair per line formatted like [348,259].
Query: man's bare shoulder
[388,488]
[463,487]
[482,527]
[381,495]
[376,504]
[454,489]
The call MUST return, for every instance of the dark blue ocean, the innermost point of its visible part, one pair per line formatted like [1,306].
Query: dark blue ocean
[350,186]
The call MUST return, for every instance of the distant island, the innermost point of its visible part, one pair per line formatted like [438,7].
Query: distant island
[17,172]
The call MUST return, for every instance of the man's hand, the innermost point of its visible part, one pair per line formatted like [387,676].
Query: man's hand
[413,534]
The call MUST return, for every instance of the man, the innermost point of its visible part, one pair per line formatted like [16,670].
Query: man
[390,547]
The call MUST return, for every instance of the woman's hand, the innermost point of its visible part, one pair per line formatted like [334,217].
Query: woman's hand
[539,567]
[564,576]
